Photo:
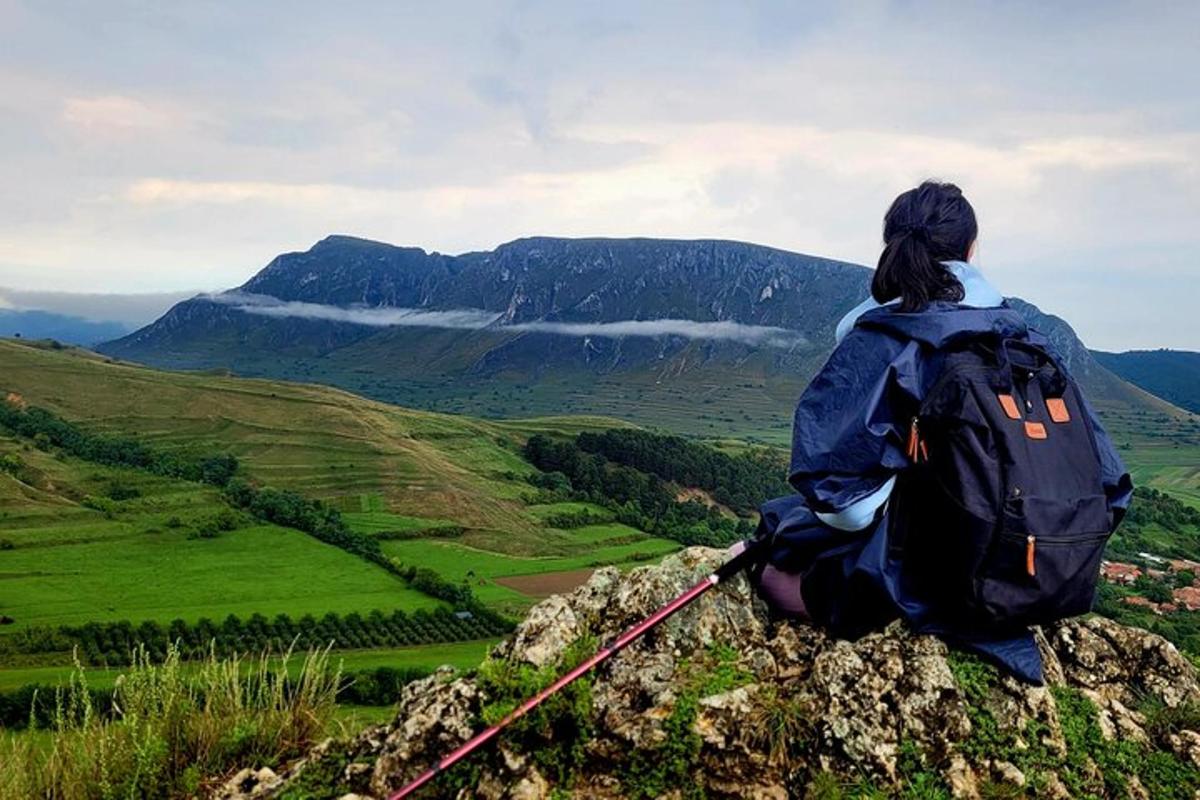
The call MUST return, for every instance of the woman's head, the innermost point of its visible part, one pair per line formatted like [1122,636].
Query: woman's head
[924,227]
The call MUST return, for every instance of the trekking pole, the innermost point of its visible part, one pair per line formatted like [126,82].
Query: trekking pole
[730,568]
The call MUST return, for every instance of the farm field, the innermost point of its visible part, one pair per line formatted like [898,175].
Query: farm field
[481,568]
[67,564]
[546,583]
[1162,451]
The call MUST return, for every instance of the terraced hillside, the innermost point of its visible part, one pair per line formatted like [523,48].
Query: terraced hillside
[321,441]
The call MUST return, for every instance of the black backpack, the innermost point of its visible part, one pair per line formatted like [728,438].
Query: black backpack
[1002,519]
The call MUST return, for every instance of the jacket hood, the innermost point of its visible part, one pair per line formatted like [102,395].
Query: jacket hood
[978,292]
[939,323]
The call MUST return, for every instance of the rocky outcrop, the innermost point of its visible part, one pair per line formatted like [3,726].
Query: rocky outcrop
[721,702]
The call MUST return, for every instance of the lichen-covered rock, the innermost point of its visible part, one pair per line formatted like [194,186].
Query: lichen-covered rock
[249,783]
[720,701]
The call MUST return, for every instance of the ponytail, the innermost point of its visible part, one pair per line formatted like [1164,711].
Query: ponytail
[924,227]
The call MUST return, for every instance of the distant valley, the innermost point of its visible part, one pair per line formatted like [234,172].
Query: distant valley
[61,327]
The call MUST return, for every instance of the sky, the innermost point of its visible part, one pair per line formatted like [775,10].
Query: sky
[168,147]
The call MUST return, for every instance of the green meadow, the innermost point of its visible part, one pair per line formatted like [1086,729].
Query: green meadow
[142,558]
[324,442]
[1162,450]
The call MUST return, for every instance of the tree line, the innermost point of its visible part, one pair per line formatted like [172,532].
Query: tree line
[638,499]
[741,482]
[47,429]
[112,644]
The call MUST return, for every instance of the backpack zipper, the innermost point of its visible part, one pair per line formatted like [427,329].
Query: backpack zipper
[1054,541]
[1030,547]
[916,450]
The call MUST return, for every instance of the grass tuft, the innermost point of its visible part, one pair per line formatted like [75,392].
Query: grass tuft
[172,728]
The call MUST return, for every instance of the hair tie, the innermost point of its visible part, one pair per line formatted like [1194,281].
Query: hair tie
[920,230]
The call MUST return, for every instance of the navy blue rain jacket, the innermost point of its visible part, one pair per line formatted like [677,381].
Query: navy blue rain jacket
[848,439]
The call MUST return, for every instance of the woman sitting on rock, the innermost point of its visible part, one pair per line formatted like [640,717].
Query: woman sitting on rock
[910,482]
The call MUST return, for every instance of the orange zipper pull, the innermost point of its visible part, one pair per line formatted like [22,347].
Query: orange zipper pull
[914,438]
[1030,545]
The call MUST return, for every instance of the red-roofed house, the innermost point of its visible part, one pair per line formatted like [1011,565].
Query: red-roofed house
[1188,597]
[1116,572]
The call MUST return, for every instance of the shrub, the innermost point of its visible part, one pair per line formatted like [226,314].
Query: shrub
[122,491]
[432,532]
[102,504]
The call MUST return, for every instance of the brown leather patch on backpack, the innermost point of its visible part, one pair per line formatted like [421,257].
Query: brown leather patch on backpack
[1058,409]
[1009,404]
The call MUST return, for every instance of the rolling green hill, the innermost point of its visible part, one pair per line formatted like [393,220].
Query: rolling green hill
[1173,375]
[82,543]
[388,467]
[324,442]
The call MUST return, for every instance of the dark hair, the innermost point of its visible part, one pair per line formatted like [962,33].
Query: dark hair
[924,227]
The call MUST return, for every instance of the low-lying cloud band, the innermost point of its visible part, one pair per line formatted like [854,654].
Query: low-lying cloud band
[479,319]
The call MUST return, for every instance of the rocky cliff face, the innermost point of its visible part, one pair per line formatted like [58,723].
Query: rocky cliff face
[721,703]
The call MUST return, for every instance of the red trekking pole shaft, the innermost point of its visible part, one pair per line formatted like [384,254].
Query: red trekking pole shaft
[729,568]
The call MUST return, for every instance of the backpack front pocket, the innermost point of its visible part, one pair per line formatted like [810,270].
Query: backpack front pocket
[1043,564]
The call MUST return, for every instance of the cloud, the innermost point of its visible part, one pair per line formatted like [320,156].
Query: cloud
[756,335]
[151,191]
[379,317]
[479,319]
[107,114]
